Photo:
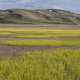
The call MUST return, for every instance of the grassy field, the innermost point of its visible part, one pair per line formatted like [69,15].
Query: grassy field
[60,64]
[59,61]
[41,42]
[39,32]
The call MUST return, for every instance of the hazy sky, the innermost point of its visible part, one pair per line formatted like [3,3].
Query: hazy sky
[73,5]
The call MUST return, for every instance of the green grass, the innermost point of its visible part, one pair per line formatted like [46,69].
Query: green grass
[59,64]
[32,34]
[41,42]
[48,34]
[39,32]
[31,43]
[2,33]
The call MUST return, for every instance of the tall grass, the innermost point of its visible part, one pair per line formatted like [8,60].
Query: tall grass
[59,64]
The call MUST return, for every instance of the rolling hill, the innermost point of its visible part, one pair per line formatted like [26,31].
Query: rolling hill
[47,16]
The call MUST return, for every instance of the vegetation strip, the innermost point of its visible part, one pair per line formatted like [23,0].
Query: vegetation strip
[40,42]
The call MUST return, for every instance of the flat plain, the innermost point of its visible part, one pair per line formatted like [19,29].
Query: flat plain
[40,53]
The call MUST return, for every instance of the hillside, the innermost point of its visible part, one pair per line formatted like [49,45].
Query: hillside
[50,16]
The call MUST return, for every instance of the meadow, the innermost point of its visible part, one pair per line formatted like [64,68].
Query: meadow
[58,64]
[45,53]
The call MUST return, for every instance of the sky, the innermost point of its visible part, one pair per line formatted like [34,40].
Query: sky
[72,5]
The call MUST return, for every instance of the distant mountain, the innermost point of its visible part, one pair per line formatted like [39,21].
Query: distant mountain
[48,16]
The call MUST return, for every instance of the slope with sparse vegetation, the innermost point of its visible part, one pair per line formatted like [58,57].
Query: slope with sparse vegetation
[47,16]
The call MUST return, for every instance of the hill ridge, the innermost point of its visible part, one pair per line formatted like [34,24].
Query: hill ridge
[46,16]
